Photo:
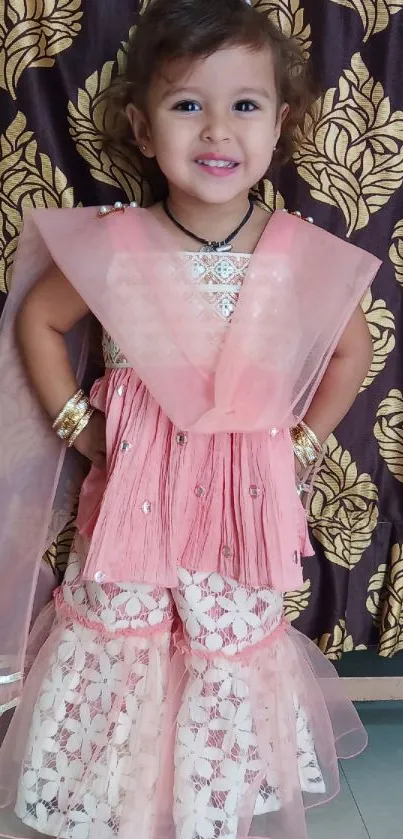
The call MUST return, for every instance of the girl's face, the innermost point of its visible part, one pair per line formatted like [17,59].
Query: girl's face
[213,125]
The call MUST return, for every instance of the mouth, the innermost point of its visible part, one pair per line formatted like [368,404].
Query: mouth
[212,163]
[217,167]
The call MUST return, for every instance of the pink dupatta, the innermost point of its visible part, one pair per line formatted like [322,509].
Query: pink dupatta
[262,372]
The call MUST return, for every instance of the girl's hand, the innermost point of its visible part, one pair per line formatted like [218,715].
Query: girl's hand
[92,441]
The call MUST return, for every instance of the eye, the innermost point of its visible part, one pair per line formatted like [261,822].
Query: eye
[246,106]
[187,107]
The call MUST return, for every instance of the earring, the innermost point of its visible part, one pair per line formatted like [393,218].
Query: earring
[144,148]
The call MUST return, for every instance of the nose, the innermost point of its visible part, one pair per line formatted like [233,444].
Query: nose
[216,128]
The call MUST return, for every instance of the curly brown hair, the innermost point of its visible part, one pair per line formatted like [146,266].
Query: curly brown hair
[193,29]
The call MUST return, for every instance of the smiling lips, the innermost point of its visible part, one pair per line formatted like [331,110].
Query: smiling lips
[217,166]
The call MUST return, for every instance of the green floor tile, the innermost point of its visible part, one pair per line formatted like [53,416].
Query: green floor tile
[375,778]
[340,819]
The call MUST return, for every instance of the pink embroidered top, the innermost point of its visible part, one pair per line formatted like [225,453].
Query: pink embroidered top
[176,498]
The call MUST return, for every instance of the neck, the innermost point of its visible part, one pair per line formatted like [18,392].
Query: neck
[213,222]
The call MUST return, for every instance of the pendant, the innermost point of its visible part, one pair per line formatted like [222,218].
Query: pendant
[215,247]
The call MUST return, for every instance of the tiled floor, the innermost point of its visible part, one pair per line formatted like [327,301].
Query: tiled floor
[371,800]
[370,805]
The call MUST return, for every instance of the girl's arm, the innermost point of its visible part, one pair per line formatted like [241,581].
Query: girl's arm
[49,311]
[343,378]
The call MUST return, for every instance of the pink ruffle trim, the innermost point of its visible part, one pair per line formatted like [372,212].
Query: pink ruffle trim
[144,632]
[178,640]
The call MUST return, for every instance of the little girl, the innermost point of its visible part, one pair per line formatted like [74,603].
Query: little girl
[166,695]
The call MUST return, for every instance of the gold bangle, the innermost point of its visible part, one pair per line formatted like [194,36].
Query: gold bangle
[305,453]
[83,422]
[305,459]
[307,448]
[70,422]
[312,437]
[70,404]
[74,410]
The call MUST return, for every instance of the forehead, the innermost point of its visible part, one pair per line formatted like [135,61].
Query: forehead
[222,72]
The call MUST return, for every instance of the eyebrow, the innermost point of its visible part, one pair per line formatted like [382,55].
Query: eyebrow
[252,91]
[243,91]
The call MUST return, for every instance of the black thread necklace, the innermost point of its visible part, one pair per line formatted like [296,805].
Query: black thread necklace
[221,247]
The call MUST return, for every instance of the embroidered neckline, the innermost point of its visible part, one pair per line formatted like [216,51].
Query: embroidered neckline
[219,276]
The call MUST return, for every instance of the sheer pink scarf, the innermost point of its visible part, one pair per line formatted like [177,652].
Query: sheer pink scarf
[262,372]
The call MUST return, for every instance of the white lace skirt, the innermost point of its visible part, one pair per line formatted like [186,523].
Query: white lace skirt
[191,714]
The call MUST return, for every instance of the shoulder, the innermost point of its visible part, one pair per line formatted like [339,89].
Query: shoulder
[76,215]
[313,244]
[297,228]
[80,224]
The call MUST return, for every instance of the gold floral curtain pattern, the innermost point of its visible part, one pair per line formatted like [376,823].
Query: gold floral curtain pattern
[56,59]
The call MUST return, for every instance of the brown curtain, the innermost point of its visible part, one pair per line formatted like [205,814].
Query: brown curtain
[57,57]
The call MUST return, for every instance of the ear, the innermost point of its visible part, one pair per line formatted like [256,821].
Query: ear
[141,130]
[283,112]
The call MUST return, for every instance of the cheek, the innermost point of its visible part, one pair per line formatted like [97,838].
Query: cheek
[170,152]
[261,133]
[170,136]
[262,144]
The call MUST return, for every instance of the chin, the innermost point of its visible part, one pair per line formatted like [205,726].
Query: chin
[219,196]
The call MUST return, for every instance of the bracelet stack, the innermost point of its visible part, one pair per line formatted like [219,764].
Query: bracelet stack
[307,448]
[73,418]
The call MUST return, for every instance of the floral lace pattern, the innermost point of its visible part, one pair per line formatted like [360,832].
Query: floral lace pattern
[93,759]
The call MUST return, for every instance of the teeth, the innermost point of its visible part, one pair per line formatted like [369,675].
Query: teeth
[221,164]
